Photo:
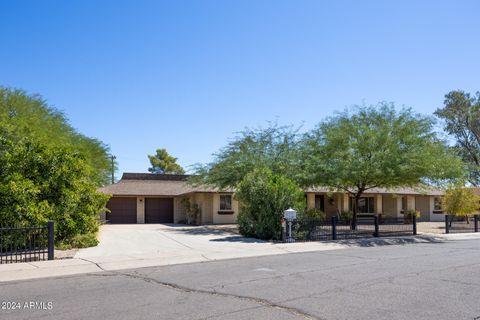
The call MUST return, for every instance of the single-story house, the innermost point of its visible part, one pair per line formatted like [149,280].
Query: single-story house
[157,198]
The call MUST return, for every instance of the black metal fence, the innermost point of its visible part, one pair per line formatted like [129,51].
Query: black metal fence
[26,244]
[311,229]
[457,224]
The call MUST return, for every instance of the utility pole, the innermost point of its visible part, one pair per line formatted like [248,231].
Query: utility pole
[113,167]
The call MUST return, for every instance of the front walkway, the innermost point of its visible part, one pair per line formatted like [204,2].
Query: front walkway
[431,227]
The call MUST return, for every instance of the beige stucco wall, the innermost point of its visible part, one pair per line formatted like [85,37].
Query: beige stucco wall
[179,213]
[310,200]
[140,210]
[209,204]
[422,204]
[224,218]
[331,205]
[389,205]
[207,208]
[378,204]
[340,202]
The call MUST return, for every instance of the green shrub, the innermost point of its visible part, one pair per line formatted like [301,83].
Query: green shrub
[79,241]
[40,183]
[263,197]
[410,213]
[346,216]
[316,214]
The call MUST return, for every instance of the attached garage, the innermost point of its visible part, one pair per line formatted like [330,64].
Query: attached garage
[122,210]
[158,210]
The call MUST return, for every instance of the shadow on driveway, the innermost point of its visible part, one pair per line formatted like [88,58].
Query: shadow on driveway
[239,239]
[376,242]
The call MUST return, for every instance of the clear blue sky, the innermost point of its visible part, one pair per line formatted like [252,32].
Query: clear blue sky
[186,75]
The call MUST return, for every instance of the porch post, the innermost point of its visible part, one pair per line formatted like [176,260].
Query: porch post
[378,204]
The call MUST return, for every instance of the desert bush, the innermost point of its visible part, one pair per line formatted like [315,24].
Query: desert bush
[263,197]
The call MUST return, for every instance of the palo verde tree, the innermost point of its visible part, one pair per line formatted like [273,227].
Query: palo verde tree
[376,146]
[29,116]
[460,201]
[163,162]
[275,148]
[263,165]
[461,115]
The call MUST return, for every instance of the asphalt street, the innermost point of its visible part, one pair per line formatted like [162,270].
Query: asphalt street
[437,280]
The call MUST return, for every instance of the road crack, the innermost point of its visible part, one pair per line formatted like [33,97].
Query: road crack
[262,302]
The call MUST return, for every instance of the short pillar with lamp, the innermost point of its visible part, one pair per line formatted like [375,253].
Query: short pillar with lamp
[289,215]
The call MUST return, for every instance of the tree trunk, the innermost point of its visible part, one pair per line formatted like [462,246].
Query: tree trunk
[355,211]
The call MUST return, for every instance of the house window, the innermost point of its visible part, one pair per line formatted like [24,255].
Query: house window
[437,205]
[365,204]
[320,202]
[225,202]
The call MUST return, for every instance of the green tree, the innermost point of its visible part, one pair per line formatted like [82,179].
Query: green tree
[377,147]
[25,115]
[461,114]
[40,183]
[460,201]
[263,196]
[275,148]
[162,162]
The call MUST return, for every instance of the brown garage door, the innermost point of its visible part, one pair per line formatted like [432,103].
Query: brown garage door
[122,210]
[158,210]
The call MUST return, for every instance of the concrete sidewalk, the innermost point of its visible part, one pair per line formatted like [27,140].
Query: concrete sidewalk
[122,248]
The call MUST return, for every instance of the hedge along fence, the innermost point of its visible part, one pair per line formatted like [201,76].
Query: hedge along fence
[316,229]
[461,224]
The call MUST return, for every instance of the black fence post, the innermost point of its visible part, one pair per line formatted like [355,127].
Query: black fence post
[375,221]
[446,224]
[284,230]
[334,228]
[414,222]
[475,221]
[50,240]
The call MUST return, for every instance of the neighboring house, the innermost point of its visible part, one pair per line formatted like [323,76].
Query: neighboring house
[157,198]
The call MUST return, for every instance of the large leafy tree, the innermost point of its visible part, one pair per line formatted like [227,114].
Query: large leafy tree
[275,148]
[40,183]
[30,116]
[461,114]
[376,146]
[163,162]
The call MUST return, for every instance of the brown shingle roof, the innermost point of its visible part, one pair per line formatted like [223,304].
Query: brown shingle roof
[150,184]
[407,191]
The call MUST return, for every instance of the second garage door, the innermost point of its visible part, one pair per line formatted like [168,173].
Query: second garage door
[158,210]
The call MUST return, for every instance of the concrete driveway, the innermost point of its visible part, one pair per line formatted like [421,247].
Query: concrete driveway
[142,245]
